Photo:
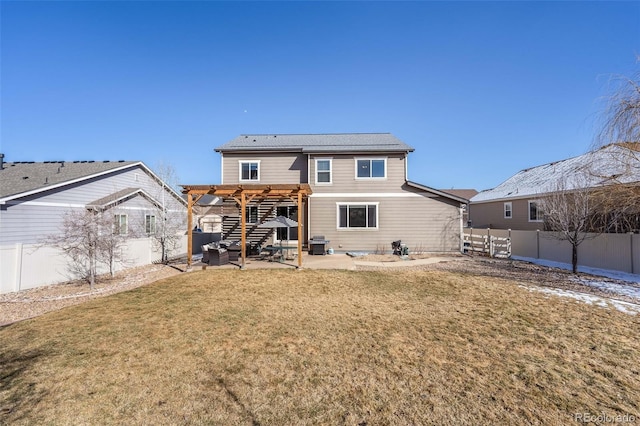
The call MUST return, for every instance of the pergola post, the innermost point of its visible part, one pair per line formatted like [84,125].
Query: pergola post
[243,227]
[300,236]
[189,229]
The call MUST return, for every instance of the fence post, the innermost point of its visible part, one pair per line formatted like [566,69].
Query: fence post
[18,265]
[631,251]
[492,248]
[537,244]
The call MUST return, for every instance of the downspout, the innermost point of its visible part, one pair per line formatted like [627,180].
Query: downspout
[461,213]
[221,169]
[308,203]
[406,167]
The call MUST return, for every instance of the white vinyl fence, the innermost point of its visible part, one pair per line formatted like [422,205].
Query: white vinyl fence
[24,266]
[617,252]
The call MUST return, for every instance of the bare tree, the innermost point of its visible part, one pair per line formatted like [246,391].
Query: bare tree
[620,121]
[568,213]
[87,238]
[620,131]
[169,223]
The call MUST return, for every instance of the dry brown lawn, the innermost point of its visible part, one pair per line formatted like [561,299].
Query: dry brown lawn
[321,347]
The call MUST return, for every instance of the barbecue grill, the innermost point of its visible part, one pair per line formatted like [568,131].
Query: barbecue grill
[317,245]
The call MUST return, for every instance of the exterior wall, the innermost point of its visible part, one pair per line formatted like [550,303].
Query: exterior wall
[343,174]
[424,223]
[274,168]
[491,215]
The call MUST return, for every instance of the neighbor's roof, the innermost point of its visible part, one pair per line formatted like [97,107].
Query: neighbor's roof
[463,193]
[27,176]
[615,163]
[328,142]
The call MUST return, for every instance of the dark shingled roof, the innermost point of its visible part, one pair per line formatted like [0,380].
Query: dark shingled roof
[329,142]
[27,176]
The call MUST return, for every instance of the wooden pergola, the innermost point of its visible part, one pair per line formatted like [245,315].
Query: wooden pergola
[244,194]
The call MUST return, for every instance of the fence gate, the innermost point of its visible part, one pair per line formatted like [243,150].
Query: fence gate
[488,245]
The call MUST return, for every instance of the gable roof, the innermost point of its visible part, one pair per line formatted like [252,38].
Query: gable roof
[22,178]
[309,143]
[615,163]
[120,196]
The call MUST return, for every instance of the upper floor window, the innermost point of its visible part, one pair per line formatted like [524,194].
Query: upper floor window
[357,215]
[149,224]
[120,226]
[535,212]
[323,171]
[371,168]
[250,170]
[508,212]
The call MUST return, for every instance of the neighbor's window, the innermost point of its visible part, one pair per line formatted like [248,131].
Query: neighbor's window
[371,168]
[120,224]
[249,170]
[251,214]
[357,216]
[508,212]
[535,212]
[323,171]
[150,224]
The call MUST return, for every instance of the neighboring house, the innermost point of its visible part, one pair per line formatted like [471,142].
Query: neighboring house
[35,196]
[515,203]
[467,194]
[360,198]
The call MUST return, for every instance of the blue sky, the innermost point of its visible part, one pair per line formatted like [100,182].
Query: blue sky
[479,89]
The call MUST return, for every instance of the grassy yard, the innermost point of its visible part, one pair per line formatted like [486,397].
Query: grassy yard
[321,347]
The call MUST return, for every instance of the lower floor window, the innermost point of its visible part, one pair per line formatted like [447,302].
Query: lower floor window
[120,224]
[357,216]
[535,212]
[150,224]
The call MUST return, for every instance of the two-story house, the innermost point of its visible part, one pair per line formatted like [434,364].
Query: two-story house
[359,197]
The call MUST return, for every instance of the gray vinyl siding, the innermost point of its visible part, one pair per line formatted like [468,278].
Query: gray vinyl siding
[274,168]
[344,174]
[491,215]
[424,223]
[27,220]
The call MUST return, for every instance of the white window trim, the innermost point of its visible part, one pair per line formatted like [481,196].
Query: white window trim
[356,203]
[330,160]
[529,211]
[356,159]
[504,209]
[240,163]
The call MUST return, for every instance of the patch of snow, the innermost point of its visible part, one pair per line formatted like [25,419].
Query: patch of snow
[615,275]
[626,307]
[622,289]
